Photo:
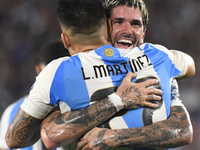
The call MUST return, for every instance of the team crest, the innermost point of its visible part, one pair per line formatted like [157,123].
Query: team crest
[108,52]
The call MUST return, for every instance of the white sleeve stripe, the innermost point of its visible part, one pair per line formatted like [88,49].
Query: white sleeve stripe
[176,103]
[180,61]
[42,110]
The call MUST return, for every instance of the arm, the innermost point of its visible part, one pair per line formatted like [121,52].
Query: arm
[62,129]
[173,132]
[188,60]
[180,59]
[23,131]
[191,67]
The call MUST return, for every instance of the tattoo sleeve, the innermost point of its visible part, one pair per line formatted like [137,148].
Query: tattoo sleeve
[23,131]
[65,128]
[173,132]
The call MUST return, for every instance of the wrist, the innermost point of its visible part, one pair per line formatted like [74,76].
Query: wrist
[116,100]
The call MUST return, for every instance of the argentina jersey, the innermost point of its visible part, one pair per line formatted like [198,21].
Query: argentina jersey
[148,62]
[89,77]
[76,82]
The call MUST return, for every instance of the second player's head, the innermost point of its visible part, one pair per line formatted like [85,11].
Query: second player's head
[129,20]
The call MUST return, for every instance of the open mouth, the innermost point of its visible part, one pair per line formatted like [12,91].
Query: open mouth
[124,43]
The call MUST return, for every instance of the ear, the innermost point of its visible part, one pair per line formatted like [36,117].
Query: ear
[65,40]
[38,69]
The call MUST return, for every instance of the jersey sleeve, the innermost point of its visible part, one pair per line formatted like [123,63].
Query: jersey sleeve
[38,104]
[178,58]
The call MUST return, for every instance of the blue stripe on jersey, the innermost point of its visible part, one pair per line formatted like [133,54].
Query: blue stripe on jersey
[65,84]
[116,59]
[71,86]
[57,87]
[164,72]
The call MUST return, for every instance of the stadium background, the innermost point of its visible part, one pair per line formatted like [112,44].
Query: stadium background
[25,25]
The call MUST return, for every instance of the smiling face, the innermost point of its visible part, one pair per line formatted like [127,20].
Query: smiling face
[127,27]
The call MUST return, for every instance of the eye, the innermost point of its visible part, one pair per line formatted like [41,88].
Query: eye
[136,23]
[117,22]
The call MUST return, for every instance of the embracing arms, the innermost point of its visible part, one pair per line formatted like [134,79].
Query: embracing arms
[173,132]
[62,129]
[25,129]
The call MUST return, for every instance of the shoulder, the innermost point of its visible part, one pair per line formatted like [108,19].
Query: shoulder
[157,46]
[49,71]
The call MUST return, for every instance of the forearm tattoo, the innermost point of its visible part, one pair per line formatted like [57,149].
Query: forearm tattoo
[95,113]
[165,134]
[76,123]
[23,127]
[101,142]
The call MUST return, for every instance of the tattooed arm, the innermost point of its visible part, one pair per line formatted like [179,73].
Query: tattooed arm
[62,129]
[23,131]
[173,132]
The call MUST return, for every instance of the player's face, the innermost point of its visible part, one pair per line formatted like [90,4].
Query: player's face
[127,27]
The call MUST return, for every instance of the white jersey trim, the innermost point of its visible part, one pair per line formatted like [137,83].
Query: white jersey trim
[42,87]
[179,59]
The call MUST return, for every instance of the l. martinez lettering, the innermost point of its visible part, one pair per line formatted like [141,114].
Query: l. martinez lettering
[104,70]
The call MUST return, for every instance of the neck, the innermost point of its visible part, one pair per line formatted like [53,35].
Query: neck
[88,45]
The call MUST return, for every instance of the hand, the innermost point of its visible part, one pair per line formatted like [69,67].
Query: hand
[97,139]
[135,95]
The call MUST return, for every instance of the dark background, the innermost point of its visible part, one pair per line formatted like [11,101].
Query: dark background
[25,25]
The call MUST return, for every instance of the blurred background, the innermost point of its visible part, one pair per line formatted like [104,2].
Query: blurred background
[25,25]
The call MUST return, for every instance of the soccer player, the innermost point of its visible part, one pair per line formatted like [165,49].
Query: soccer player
[128,30]
[124,24]
[49,51]
[72,88]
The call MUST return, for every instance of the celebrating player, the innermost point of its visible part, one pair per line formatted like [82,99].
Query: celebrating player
[72,83]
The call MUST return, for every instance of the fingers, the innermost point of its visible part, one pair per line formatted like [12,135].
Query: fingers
[130,76]
[150,82]
[153,90]
[81,144]
[154,97]
[150,105]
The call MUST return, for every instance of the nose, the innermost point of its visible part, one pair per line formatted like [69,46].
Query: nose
[127,29]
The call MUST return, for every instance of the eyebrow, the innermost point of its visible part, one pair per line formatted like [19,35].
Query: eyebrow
[134,20]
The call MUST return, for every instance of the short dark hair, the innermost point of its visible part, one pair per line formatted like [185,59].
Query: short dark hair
[51,50]
[82,16]
[110,4]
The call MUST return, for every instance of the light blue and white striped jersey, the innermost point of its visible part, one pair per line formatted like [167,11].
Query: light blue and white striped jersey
[73,83]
